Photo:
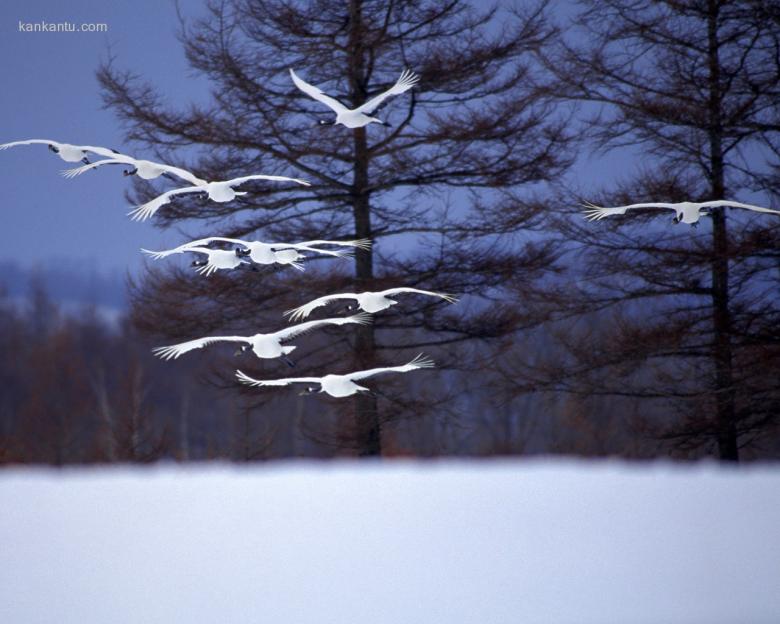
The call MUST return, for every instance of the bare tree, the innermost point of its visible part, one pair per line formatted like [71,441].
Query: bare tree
[461,147]
[684,320]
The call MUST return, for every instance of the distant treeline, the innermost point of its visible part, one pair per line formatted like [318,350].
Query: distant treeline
[80,388]
[635,335]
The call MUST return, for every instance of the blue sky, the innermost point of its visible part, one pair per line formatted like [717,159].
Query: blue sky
[51,92]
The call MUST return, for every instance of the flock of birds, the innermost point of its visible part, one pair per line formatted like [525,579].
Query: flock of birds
[246,254]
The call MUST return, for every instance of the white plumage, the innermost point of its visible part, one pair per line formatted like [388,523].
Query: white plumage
[366,301]
[217,259]
[217,191]
[337,385]
[145,169]
[685,212]
[66,151]
[265,346]
[270,253]
[360,116]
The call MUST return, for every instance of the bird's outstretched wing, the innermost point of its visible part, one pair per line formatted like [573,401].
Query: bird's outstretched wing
[121,159]
[405,82]
[241,180]
[5,146]
[250,381]
[100,151]
[196,243]
[185,175]
[302,328]
[301,312]
[595,213]
[193,246]
[361,243]
[312,91]
[174,351]
[419,362]
[404,289]
[336,253]
[77,171]
[158,255]
[733,204]
[144,211]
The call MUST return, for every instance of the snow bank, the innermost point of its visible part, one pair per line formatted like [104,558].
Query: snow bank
[392,542]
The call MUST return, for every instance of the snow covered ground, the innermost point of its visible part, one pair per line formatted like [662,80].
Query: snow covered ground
[392,542]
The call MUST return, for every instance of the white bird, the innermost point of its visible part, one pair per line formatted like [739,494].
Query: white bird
[220,192]
[366,301]
[145,169]
[685,212]
[337,385]
[286,253]
[216,259]
[265,346]
[270,253]
[66,151]
[360,116]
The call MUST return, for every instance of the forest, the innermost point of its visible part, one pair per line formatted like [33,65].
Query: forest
[633,336]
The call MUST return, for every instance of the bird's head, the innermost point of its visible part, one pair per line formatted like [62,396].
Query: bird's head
[198,263]
[676,220]
[127,172]
[241,350]
[327,122]
[53,149]
[242,253]
[308,390]
[350,307]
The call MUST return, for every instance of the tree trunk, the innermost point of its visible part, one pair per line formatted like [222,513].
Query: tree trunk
[724,386]
[367,426]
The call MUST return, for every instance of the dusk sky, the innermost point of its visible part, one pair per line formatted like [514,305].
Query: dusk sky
[52,93]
